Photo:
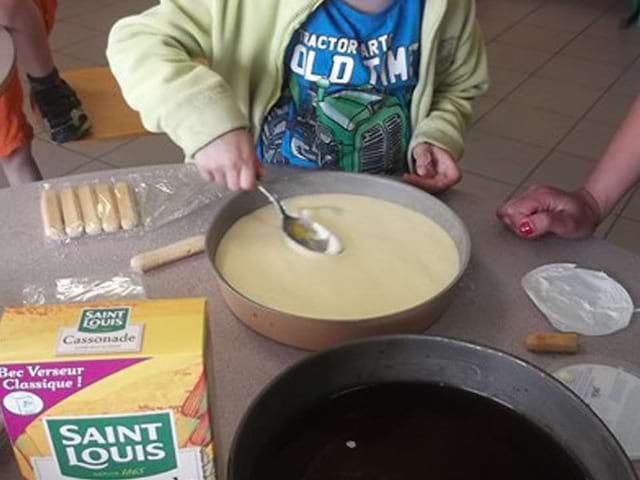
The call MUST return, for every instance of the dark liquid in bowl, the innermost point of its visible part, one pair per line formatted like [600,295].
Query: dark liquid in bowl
[416,431]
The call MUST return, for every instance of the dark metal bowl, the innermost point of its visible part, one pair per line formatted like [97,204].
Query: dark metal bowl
[495,375]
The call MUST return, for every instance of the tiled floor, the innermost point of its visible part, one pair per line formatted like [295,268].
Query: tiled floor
[563,74]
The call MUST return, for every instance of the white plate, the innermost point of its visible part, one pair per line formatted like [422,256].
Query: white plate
[614,394]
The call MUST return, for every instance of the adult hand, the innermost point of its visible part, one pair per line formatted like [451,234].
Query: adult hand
[543,209]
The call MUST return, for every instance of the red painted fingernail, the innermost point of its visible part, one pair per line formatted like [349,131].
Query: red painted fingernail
[526,229]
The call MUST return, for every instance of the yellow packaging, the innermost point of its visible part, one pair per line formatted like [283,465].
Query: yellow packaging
[107,390]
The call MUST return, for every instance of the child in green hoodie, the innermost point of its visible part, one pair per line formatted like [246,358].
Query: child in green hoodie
[376,86]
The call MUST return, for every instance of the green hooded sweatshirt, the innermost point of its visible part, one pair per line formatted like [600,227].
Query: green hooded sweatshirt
[197,69]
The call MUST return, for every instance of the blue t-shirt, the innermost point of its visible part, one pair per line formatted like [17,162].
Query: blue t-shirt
[348,85]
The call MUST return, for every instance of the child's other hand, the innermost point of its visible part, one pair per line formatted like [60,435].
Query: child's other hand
[231,161]
[543,209]
[435,170]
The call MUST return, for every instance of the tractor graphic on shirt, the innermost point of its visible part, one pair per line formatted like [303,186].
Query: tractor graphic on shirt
[358,130]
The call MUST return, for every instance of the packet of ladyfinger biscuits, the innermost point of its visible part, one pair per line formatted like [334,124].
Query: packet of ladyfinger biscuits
[107,390]
[90,209]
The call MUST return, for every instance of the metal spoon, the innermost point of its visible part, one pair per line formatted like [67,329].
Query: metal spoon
[305,232]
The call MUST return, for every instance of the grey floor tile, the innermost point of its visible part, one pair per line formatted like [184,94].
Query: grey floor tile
[526,124]
[514,58]
[597,5]
[612,108]
[536,38]
[485,187]
[65,34]
[504,81]
[500,158]
[589,139]
[98,148]
[492,27]
[626,234]
[609,26]
[104,18]
[605,227]
[623,202]
[563,171]
[483,105]
[565,16]
[67,62]
[594,48]
[628,83]
[55,161]
[516,193]
[93,166]
[147,150]
[513,10]
[72,8]
[575,71]
[632,209]
[555,96]
[92,50]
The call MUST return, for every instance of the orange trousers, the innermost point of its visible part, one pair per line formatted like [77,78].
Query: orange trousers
[15,130]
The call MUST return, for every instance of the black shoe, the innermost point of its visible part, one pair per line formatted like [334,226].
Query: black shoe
[61,110]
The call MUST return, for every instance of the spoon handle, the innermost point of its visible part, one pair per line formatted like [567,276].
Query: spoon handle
[274,200]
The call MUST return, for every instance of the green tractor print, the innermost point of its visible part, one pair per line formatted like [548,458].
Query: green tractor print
[351,130]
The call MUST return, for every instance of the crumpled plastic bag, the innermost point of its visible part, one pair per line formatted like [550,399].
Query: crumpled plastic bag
[84,289]
[574,299]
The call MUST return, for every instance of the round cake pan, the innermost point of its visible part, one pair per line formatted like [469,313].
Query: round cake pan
[314,333]
[531,393]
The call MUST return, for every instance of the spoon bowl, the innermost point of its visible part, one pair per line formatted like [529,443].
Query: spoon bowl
[303,231]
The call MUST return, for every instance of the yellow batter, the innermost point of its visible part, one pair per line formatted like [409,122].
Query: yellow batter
[393,259]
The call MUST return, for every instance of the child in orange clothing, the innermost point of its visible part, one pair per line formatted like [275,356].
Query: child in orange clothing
[29,23]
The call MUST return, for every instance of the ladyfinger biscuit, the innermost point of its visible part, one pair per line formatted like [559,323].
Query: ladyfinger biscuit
[89,207]
[51,214]
[126,206]
[107,208]
[71,213]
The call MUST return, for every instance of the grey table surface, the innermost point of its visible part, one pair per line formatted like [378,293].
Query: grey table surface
[489,308]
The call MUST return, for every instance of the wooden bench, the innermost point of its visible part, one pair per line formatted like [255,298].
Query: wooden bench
[102,99]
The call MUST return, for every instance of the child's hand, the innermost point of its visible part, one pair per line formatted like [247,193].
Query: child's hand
[545,209]
[230,160]
[435,170]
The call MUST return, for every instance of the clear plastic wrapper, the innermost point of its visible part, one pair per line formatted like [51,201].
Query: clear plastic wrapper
[164,200]
[123,204]
[84,289]
[579,300]
[169,197]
